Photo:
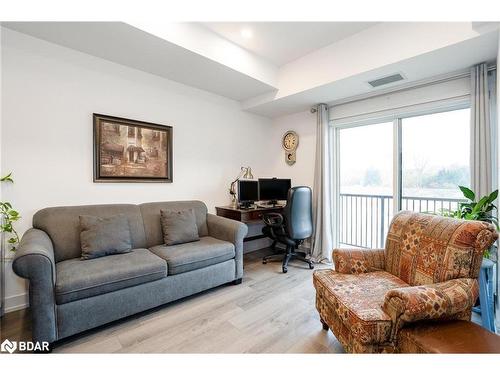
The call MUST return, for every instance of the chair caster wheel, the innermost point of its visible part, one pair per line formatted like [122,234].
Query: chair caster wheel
[285,270]
[311,266]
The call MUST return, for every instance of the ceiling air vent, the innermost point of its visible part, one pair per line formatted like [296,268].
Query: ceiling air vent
[386,80]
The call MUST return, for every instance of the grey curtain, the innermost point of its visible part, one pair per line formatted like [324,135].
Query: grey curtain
[323,192]
[480,148]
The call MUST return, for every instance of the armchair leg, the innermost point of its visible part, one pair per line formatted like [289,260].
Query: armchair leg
[325,326]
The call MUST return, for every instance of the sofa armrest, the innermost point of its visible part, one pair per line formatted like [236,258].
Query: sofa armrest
[232,231]
[451,299]
[34,260]
[358,260]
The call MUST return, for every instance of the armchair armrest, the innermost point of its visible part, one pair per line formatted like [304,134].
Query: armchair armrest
[34,260]
[358,260]
[451,299]
[232,231]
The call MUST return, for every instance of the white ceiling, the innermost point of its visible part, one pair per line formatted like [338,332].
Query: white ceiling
[438,63]
[283,42]
[340,68]
[127,45]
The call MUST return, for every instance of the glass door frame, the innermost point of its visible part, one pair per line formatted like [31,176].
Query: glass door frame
[397,155]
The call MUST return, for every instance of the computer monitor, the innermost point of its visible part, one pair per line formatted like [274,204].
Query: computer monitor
[274,189]
[248,192]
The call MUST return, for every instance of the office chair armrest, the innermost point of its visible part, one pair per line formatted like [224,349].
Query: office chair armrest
[273,219]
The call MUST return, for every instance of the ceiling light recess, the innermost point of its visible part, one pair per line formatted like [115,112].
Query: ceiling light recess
[246,33]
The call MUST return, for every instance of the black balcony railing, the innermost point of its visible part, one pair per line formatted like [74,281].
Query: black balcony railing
[364,219]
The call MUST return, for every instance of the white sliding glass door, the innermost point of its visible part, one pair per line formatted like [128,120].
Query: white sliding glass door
[365,170]
[435,160]
[409,163]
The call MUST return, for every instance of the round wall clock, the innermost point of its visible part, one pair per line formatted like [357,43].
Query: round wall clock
[290,142]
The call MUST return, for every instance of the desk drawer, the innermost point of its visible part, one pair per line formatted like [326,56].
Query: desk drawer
[257,215]
[251,216]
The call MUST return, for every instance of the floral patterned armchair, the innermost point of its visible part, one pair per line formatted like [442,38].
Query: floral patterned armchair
[428,271]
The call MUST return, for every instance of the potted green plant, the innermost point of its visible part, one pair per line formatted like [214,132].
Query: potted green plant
[7,217]
[472,209]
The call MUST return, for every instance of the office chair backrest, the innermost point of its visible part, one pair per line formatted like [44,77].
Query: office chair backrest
[298,213]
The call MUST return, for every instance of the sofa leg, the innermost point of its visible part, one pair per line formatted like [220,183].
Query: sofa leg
[237,281]
[325,326]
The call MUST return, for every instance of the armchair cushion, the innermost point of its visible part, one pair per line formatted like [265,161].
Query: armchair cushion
[356,261]
[357,300]
[447,300]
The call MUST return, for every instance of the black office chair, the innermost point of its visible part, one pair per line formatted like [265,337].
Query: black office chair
[291,228]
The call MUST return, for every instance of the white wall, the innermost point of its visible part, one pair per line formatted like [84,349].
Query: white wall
[48,96]
[302,172]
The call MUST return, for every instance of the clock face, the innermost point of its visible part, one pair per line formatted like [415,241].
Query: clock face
[290,140]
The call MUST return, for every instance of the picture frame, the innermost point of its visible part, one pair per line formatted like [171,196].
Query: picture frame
[127,150]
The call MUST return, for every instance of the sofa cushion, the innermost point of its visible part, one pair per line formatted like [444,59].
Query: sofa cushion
[151,216]
[102,236]
[77,279]
[194,255]
[62,224]
[357,301]
[178,226]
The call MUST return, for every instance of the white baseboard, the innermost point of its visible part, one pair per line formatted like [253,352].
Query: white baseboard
[17,302]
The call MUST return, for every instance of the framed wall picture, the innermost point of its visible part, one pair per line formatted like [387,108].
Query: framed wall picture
[131,151]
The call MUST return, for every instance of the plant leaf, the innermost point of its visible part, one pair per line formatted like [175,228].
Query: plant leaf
[7,178]
[468,193]
[479,205]
[493,196]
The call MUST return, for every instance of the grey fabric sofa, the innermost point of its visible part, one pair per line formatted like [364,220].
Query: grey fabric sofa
[68,295]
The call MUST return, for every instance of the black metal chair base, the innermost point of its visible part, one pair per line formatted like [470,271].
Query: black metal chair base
[286,256]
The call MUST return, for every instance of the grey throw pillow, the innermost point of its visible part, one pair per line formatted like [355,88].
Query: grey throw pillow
[178,226]
[102,236]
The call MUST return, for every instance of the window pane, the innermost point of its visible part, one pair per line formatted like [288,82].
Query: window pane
[366,177]
[435,160]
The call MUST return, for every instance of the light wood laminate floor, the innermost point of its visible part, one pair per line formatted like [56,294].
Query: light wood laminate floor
[270,312]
